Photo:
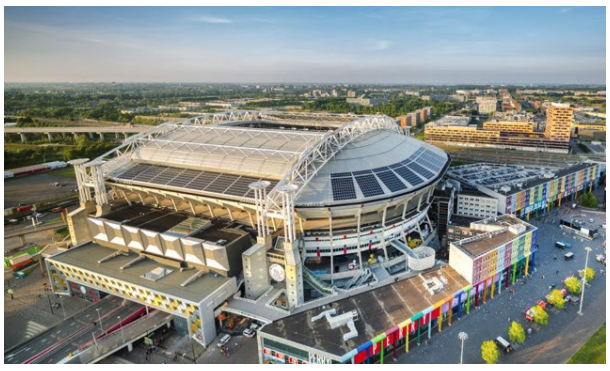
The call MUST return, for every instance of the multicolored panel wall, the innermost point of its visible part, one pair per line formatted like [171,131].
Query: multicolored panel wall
[539,196]
[504,256]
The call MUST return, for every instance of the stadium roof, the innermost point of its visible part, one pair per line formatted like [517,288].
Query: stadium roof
[355,158]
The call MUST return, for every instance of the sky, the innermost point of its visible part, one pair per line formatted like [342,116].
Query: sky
[420,45]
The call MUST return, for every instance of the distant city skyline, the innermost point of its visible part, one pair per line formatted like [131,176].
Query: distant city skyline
[419,45]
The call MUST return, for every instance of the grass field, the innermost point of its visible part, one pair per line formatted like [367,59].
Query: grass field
[66,172]
[594,351]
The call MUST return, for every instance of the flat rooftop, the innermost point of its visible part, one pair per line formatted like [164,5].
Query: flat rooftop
[487,241]
[490,176]
[86,257]
[378,311]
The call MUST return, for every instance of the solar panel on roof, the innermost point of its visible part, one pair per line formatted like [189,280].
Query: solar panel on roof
[391,181]
[362,172]
[420,170]
[380,169]
[369,185]
[340,175]
[409,176]
[343,189]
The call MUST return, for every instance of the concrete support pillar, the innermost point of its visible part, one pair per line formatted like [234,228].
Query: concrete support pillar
[430,324]
[125,135]
[130,347]
[22,239]
[419,331]
[116,135]
[75,136]
[91,135]
[23,138]
[101,136]
[50,136]
[63,135]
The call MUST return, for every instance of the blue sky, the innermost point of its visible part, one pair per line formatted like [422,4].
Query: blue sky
[385,45]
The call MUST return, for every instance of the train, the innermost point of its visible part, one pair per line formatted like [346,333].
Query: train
[27,170]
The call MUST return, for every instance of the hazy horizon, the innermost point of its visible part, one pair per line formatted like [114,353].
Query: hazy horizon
[242,45]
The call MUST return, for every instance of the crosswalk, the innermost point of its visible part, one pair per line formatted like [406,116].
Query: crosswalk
[32,329]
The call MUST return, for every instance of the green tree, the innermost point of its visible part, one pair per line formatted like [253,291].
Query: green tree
[589,200]
[556,298]
[590,274]
[516,333]
[540,315]
[573,285]
[490,352]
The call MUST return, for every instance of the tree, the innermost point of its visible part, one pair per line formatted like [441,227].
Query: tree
[590,274]
[573,285]
[556,298]
[516,333]
[540,315]
[589,200]
[490,352]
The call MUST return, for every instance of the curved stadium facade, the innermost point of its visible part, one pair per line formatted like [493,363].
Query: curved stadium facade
[293,206]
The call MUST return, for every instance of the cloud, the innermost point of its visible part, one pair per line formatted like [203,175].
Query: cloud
[212,20]
[380,44]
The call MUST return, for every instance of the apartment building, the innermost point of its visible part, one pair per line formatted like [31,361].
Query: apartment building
[487,105]
[558,121]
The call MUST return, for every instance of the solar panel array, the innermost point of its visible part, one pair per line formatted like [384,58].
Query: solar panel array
[369,185]
[343,188]
[207,181]
[410,169]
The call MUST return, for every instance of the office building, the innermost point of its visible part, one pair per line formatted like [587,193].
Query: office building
[487,105]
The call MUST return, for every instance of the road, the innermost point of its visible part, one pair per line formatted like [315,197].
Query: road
[554,343]
[64,338]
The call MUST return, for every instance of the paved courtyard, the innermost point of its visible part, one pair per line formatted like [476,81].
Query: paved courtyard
[566,331]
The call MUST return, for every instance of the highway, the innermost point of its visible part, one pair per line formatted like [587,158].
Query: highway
[30,229]
[69,335]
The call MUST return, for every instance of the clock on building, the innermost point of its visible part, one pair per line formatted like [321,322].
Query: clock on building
[277,272]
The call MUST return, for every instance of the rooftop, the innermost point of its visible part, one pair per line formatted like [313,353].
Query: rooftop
[86,257]
[509,179]
[378,310]
[450,121]
[494,232]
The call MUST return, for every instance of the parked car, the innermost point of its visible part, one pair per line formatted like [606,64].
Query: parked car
[569,256]
[574,300]
[249,333]
[223,340]
[503,344]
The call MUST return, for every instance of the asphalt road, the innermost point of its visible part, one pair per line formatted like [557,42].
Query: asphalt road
[555,343]
[68,335]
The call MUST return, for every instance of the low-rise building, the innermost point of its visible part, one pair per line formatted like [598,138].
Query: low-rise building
[498,249]
[476,204]
[487,105]
[521,190]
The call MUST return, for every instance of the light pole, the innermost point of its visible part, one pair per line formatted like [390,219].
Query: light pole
[100,319]
[462,336]
[584,280]
[121,324]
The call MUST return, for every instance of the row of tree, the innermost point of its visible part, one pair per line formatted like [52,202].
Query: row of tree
[516,333]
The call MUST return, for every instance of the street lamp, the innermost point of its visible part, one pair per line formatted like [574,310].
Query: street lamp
[584,280]
[462,336]
[121,324]
[100,319]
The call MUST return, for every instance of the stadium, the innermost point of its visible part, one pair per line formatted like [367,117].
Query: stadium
[241,212]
